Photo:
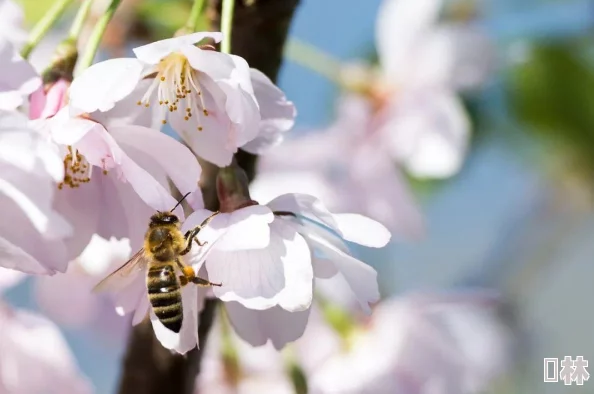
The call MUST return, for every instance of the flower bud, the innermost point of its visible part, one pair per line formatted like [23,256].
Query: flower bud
[44,103]
[52,95]
[233,189]
[62,64]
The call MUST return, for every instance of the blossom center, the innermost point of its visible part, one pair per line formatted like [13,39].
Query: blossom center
[77,169]
[177,88]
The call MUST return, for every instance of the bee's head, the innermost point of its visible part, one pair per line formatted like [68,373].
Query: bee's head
[161,218]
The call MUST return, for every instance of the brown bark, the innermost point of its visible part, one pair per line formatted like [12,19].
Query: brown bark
[260,29]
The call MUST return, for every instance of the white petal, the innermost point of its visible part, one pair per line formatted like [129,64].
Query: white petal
[215,142]
[69,131]
[276,112]
[187,338]
[177,160]
[362,230]
[13,257]
[400,23]
[215,64]
[361,277]
[43,218]
[128,112]
[275,324]
[429,134]
[280,274]
[103,84]
[18,78]
[306,205]
[155,51]
[132,292]
[242,109]
[247,228]
[147,187]
[142,310]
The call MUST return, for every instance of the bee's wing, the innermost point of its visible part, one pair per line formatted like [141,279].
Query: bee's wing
[118,279]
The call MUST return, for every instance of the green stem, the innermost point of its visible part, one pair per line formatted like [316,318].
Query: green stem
[195,13]
[97,35]
[79,20]
[308,56]
[227,24]
[43,26]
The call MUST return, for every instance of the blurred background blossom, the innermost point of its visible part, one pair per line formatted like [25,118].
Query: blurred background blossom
[490,267]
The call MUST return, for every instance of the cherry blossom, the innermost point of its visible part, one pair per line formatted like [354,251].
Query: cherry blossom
[266,257]
[423,63]
[35,357]
[265,264]
[446,343]
[346,167]
[206,96]
[121,169]
[33,231]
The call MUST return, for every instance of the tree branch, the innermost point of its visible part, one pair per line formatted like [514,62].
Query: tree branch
[260,29]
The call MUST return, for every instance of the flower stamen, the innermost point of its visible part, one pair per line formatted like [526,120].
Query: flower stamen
[177,86]
[76,169]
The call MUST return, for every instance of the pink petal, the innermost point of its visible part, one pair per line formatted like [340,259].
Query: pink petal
[187,338]
[42,105]
[275,324]
[155,51]
[248,228]
[18,79]
[361,277]
[399,25]
[215,65]
[281,274]
[276,112]
[428,132]
[174,158]
[104,84]
[362,230]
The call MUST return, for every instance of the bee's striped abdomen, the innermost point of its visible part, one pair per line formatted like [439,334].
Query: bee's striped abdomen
[165,295]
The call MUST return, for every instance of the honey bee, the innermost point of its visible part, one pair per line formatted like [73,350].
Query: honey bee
[164,244]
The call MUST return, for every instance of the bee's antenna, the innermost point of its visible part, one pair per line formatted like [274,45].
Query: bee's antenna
[180,201]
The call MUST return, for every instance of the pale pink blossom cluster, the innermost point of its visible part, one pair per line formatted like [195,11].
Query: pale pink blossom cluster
[447,343]
[84,164]
[400,116]
[90,163]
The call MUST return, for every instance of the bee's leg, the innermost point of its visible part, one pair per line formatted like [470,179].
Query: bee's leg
[189,275]
[203,282]
[193,233]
